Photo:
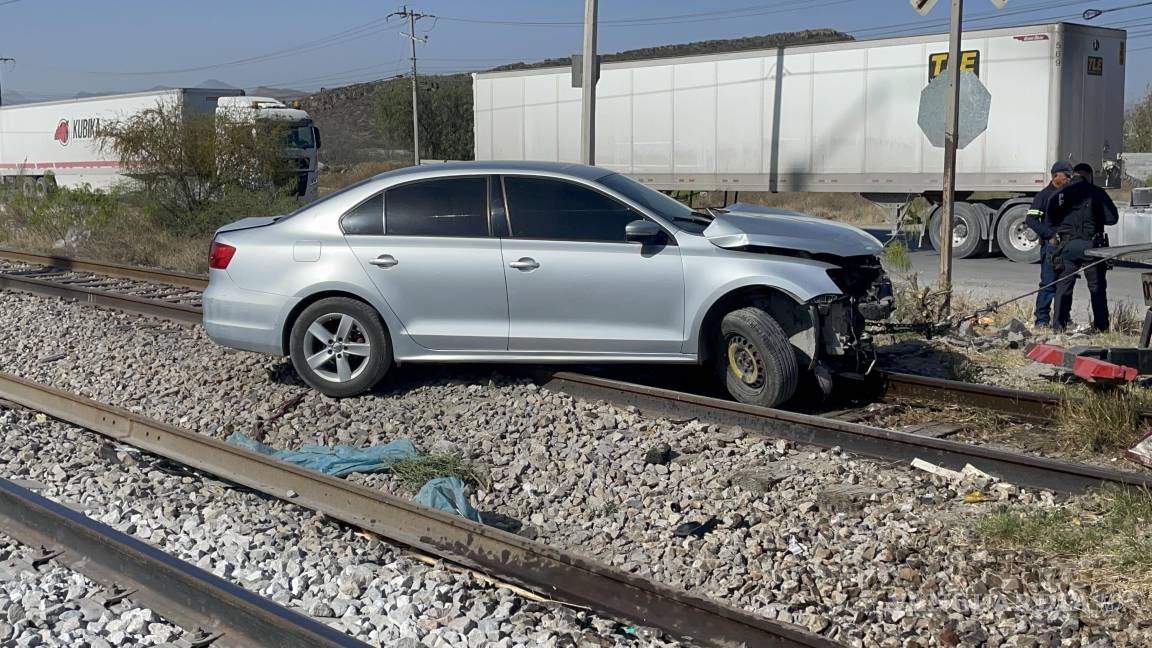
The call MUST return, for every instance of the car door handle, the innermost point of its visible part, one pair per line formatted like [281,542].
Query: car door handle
[524,263]
[384,261]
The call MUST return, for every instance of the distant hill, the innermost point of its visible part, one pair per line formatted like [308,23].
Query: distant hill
[806,37]
[11,98]
[348,116]
[283,94]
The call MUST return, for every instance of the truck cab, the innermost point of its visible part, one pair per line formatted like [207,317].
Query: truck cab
[302,139]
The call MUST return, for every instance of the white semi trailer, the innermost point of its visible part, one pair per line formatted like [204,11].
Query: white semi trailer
[58,141]
[840,117]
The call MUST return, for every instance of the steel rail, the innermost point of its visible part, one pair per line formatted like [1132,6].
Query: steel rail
[222,613]
[128,303]
[187,280]
[1015,467]
[564,576]
[1034,406]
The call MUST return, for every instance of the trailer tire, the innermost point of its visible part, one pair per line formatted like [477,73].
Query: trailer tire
[41,189]
[966,229]
[1017,241]
[756,360]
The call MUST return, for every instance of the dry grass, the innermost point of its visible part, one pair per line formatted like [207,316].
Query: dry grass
[1108,534]
[414,473]
[843,207]
[131,239]
[1102,420]
[336,179]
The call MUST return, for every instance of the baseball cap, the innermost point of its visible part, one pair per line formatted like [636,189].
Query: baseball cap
[1062,166]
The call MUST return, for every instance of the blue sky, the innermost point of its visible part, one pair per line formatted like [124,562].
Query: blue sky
[64,47]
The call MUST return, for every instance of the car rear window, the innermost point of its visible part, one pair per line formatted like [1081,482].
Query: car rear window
[365,218]
[444,207]
[541,208]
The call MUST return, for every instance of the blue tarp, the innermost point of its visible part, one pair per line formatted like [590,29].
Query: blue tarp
[447,494]
[339,460]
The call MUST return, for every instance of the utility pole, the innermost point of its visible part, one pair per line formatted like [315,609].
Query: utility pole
[412,17]
[950,127]
[3,60]
[589,74]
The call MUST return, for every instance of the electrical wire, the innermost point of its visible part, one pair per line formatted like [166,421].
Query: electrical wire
[367,29]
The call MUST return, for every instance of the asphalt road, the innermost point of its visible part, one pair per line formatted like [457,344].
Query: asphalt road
[1000,278]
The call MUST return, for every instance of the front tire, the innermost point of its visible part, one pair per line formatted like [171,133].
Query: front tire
[756,359]
[339,347]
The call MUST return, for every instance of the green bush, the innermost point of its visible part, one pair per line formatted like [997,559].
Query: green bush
[58,210]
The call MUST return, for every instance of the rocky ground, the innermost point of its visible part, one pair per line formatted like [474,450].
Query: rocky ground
[50,605]
[867,554]
[298,559]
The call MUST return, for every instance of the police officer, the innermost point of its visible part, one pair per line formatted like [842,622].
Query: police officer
[1078,212]
[1037,220]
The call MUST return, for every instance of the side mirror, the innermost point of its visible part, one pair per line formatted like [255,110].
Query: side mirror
[316,136]
[642,231]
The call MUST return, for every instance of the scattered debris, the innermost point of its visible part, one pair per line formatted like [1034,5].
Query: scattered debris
[338,460]
[1141,451]
[447,494]
[967,472]
[52,358]
[698,529]
[259,428]
[659,454]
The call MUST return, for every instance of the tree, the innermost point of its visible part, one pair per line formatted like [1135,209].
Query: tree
[1138,126]
[445,104]
[187,162]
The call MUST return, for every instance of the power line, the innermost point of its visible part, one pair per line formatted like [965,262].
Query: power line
[1093,13]
[366,29]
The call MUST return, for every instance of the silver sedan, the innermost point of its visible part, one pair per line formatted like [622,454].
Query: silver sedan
[543,263]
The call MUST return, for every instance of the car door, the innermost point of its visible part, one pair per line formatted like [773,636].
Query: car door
[434,261]
[575,285]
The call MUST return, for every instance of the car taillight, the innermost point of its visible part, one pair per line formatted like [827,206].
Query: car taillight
[220,255]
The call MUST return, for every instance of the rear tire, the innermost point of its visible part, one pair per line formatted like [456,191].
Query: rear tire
[965,230]
[755,358]
[339,346]
[1017,241]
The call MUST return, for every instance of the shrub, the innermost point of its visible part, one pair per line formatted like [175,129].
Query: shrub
[59,210]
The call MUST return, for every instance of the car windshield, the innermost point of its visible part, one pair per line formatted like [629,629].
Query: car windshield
[662,205]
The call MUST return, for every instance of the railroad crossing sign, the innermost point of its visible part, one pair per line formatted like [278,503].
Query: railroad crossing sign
[975,101]
[922,7]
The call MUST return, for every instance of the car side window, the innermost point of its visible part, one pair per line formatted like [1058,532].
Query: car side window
[443,207]
[365,218]
[542,208]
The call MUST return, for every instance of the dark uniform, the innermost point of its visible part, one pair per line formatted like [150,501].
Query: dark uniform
[1037,221]
[1078,213]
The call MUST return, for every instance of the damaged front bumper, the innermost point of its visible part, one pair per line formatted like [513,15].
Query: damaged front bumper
[843,344]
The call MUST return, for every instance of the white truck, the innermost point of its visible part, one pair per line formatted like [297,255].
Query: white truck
[58,140]
[840,117]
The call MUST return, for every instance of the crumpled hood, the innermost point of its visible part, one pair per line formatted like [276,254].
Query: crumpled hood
[743,225]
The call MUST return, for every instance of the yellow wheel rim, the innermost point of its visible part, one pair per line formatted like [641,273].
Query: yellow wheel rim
[743,360]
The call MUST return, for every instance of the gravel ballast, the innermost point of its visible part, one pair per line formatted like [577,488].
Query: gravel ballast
[289,555]
[51,605]
[864,553]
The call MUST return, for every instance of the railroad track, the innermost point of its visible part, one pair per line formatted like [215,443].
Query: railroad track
[560,575]
[1022,468]
[144,291]
[217,612]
